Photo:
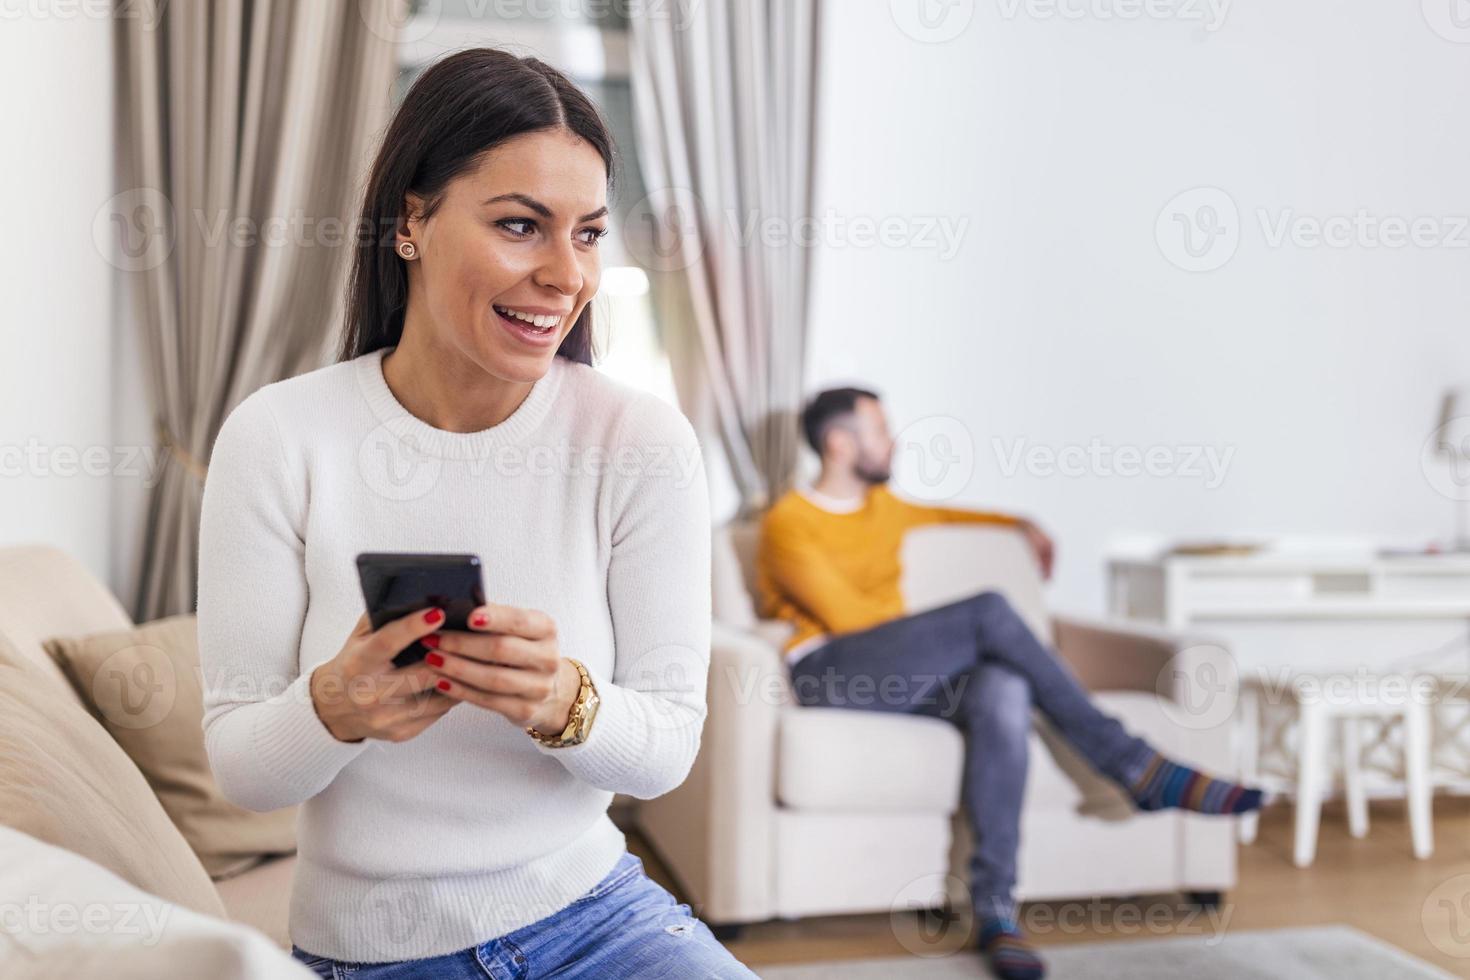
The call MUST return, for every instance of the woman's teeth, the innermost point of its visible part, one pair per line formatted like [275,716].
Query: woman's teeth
[539,321]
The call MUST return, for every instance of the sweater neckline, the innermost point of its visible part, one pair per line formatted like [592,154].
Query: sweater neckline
[441,442]
[832,505]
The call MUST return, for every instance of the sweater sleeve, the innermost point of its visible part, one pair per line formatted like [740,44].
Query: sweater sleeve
[264,740]
[918,515]
[656,504]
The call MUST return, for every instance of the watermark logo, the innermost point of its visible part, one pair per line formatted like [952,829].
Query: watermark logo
[135,230]
[400,913]
[935,458]
[662,231]
[1199,229]
[394,465]
[1445,459]
[924,919]
[1199,687]
[932,21]
[135,687]
[1450,19]
[674,674]
[1445,916]
[401,23]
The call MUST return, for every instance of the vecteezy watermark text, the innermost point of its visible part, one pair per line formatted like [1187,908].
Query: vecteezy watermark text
[1097,458]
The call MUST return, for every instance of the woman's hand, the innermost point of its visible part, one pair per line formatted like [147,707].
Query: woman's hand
[508,661]
[360,694]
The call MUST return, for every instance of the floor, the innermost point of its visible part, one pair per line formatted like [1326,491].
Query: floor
[1373,884]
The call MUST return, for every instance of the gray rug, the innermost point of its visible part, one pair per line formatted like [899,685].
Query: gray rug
[1319,953]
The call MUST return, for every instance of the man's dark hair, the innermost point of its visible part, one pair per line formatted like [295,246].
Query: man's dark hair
[826,408]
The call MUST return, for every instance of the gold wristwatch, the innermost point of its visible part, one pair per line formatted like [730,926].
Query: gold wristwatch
[579,720]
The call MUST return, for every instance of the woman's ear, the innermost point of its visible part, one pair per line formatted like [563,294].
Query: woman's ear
[410,222]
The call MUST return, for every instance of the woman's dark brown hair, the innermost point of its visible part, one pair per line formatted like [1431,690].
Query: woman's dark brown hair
[461,107]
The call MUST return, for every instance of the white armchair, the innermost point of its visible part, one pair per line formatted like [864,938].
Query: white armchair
[794,811]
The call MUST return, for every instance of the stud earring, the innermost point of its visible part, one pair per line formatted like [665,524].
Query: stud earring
[407,250]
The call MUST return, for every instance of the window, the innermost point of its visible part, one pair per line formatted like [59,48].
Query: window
[590,43]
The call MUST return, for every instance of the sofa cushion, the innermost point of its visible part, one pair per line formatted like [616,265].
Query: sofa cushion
[144,685]
[64,780]
[74,918]
[843,759]
[45,592]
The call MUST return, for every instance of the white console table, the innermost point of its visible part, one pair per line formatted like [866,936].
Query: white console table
[1282,614]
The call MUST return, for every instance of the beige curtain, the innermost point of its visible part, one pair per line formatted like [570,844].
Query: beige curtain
[724,95]
[246,129]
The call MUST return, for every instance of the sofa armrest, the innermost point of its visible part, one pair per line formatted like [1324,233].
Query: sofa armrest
[715,830]
[1128,656]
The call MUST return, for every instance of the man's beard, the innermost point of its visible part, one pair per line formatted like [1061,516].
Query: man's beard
[872,475]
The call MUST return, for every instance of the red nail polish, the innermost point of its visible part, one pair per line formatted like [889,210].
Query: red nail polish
[433,615]
[478,620]
[431,641]
[435,660]
[442,685]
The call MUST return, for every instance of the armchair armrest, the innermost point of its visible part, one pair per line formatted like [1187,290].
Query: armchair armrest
[715,830]
[1194,676]
[1127,656]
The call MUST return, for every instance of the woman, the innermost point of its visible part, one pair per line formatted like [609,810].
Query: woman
[453,816]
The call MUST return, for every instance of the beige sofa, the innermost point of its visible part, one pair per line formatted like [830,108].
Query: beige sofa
[795,811]
[44,593]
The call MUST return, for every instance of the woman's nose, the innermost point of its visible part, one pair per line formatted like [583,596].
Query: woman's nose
[561,270]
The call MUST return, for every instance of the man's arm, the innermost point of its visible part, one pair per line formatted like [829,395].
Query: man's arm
[932,514]
[1041,544]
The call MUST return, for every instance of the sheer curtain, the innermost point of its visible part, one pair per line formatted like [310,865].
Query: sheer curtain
[725,98]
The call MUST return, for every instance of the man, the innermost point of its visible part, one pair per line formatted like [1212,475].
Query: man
[829,563]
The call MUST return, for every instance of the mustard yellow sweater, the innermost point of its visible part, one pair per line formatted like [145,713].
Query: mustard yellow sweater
[839,573]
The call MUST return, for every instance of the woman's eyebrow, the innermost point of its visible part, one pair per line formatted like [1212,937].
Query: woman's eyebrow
[538,207]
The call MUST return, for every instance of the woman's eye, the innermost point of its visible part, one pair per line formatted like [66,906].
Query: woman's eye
[516,221]
[596,233]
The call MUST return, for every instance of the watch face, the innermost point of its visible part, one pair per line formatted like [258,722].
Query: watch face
[588,710]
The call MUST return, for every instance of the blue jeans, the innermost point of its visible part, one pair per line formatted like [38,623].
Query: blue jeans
[626,926]
[976,664]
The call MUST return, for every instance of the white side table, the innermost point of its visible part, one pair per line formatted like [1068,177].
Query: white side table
[1324,709]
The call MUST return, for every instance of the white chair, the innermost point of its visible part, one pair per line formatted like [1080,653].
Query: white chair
[795,811]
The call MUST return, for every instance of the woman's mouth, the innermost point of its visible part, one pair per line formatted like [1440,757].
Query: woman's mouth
[538,330]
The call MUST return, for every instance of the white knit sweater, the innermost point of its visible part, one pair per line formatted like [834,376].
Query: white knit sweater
[589,503]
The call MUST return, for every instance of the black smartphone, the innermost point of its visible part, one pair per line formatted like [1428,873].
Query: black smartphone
[395,584]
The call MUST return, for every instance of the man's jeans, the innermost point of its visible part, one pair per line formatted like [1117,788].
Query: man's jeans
[974,663]
[626,926]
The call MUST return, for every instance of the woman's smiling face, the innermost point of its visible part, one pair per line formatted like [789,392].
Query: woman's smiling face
[516,234]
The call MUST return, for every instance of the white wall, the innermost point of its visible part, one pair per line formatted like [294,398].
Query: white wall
[56,443]
[1060,318]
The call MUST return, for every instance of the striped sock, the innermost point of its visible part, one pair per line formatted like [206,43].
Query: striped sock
[1163,785]
[1010,956]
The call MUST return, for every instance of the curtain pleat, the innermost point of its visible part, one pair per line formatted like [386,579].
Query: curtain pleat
[262,113]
